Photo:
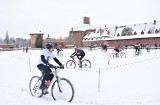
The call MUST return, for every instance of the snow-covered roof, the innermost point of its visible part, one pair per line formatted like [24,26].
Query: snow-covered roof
[134,37]
[83,27]
[36,32]
[137,28]
[105,34]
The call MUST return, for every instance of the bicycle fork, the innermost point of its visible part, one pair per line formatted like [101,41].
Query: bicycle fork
[36,86]
[59,83]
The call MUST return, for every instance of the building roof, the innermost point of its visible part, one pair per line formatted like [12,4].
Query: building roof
[36,32]
[83,27]
[111,33]
[135,37]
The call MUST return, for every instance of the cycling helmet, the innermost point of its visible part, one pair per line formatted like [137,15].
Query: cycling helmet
[51,45]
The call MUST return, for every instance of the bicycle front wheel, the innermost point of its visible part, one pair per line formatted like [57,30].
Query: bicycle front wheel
[70,64]
[62,89]
[34,85]
[86,63]
[123,55]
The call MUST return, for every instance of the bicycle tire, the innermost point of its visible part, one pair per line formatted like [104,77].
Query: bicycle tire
[70,64]
[60,54]
[86,63]
[34,85]
[123,55]
[62,90]
[112,55]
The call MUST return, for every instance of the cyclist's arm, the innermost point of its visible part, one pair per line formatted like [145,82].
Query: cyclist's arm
[73,54]
[43,59]
[57,61]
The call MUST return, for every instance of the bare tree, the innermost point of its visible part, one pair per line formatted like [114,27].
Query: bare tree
[6,39]
[1,40]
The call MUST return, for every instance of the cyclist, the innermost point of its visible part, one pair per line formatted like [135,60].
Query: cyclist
[148,47]
[137,47]
[58,49]
[118,48]
[80,54]
[44,65]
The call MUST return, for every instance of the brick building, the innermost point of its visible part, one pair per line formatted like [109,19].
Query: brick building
[81,30]
[46,40]
[34,36]
[86,34]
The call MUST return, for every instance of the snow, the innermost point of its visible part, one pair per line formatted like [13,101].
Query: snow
[124,81]
[136,27]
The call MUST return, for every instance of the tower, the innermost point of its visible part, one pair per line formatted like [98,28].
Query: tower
[86,20]
[34,36]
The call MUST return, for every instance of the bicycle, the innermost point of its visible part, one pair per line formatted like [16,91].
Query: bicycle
[85,63]
[61,89]
[118,55]
[137,53]
[60,54]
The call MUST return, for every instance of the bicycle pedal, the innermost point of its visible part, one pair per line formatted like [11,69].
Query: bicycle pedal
[45,92]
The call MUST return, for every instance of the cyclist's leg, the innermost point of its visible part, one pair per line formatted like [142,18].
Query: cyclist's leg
[116,51]
[79,57]
[138,51]
[136,48]
[46,73]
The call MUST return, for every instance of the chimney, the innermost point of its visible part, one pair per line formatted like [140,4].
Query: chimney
[86,20]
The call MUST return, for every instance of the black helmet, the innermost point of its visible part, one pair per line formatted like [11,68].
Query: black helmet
[51,45]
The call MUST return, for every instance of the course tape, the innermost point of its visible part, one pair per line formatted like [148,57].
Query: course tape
[113,67]
[126,64]
[19,57]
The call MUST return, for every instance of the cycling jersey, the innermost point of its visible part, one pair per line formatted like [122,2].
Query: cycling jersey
[47,55]
[79,51]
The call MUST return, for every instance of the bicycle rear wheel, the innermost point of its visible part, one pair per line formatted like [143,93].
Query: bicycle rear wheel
[62,90]
[70,64]
[60,54]
[34,85]
[86,63]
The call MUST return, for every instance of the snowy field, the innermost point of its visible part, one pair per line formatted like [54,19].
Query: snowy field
[124,81]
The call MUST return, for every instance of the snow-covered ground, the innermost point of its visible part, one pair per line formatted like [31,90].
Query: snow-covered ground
[124,81]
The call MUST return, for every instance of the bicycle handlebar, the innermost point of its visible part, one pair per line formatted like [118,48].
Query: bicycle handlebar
[56,67]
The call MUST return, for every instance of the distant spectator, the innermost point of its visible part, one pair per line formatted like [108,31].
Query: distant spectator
[104,47]
[155,46]
[156,31]
[23,49]
[149,32]
[26,49]
[135,33]
[154,22]
[126,46]
[142,32]
[118,35]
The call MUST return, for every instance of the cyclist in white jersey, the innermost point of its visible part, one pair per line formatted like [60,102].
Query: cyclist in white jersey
[44,65]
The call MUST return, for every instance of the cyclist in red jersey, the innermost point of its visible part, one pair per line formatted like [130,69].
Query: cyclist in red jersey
[118,48]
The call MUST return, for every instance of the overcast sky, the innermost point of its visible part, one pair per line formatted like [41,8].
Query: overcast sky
[57,17]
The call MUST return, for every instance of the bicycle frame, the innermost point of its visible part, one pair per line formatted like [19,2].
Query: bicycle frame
[55,73]
[73,60]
